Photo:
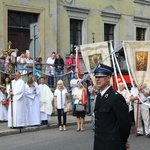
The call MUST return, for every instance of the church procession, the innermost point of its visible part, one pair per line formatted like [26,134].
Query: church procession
[97,66]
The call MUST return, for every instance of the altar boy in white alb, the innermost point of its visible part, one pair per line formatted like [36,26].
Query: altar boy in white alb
[3,108]
[45,100]
[31,94]
[19,104]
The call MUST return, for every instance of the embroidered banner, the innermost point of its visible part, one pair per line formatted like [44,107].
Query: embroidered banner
[93,54]
[138,55]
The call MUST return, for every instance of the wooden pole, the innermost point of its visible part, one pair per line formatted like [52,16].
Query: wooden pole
[137,119]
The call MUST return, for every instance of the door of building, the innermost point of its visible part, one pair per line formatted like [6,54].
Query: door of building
[19,29]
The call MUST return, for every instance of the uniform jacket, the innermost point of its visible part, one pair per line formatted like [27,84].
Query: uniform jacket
[112,121]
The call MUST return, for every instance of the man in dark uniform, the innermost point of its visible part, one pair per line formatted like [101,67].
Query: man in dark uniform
[112,119]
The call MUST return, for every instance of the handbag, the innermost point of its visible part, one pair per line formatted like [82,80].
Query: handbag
[80,107]
[68,107]
[4,103]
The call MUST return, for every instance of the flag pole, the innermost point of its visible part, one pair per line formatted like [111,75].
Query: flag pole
[136,123]
[76,50]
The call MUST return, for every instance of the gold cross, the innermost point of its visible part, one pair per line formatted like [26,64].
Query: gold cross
[9,50]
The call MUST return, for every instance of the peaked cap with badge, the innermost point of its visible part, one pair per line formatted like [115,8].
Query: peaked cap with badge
[103,70]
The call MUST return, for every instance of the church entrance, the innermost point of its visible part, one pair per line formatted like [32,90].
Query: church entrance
[19,29]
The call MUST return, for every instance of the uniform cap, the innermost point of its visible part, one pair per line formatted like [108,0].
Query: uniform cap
[103,71]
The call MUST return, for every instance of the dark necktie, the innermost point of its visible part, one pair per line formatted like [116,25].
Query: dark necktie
[98,99]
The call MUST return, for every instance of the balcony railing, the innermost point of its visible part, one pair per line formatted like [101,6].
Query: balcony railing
[39,70]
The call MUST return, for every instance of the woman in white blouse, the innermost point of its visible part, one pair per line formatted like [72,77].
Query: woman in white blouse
[60,95]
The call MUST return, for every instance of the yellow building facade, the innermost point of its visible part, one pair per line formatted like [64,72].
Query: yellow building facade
[99,20]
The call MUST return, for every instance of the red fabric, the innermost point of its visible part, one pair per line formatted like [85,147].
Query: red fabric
[77,60]
[83,97]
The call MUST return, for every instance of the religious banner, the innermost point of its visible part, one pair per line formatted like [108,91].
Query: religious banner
[138,56]
[93,54]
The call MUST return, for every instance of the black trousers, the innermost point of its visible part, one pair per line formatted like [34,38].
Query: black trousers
[60,112]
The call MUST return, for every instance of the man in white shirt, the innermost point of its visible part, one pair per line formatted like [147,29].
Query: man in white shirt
[143,110]
[21,67]
[50,69]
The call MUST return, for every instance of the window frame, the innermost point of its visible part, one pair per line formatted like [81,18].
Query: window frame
[78,14]
[111,16]
[75,29]
[107,25]
[139,32]
[141,23]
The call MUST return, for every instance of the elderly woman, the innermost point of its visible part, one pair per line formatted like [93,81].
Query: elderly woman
[80,115]
[60,95]
[125,94]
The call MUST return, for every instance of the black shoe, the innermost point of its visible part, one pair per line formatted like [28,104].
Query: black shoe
[42,123]
[139,134]
[148,135]
[48,124]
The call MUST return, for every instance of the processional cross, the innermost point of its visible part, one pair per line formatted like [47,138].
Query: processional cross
[9,52]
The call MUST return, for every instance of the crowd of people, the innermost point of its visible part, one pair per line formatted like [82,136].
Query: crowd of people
[27,98]
[33,101]
[26,104]
[54,67]
[31,104]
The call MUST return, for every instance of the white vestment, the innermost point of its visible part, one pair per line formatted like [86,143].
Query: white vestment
[126,95]
[3,109]
[33,110]
[45,100]
[19,105]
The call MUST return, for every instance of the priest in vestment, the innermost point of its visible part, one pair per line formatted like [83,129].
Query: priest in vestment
[31,94]
[45,100]
[19,103]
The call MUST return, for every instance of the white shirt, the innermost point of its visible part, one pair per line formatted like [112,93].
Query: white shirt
[134,92]
[29,61]
[60,98]
[51,68]
[22,60]
[103,92]
[21,65]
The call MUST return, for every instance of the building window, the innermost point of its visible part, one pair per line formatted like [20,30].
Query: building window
[140,34]
[108,32]
[75,33]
